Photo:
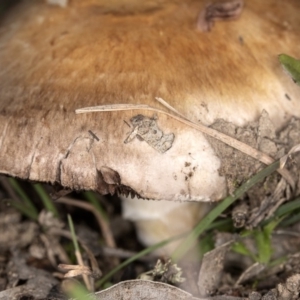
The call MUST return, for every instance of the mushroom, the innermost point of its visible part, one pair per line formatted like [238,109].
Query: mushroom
[57,60]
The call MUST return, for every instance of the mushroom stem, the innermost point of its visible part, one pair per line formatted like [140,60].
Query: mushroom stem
[159,220]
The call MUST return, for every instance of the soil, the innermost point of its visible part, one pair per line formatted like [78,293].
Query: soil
[238,167]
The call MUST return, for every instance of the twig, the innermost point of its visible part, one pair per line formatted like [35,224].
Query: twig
[94,264]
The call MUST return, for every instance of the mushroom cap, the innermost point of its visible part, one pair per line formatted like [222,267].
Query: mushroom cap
[55,60]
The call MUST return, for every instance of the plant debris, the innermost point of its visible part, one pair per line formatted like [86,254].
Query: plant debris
[167,272]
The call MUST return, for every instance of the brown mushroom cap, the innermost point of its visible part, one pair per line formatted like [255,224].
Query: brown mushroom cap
[55,60]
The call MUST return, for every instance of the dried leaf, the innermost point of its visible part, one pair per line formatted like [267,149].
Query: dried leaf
[251,272]
[285,157]
[143,289]
[211,269]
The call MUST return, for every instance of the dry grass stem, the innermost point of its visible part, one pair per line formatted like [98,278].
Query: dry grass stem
[75,270]
[87,280]
[96,272]
[284,158]
[168,106]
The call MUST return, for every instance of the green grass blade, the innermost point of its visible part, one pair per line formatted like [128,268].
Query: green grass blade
[278,261]
[135,257]
[27,207]
[79,292]
[263,242]
[290,220]
[206,244]
[284,214]
[288,207]
[223,225]
[48,203]
[269,228]
[90,196]
[24,210]
[72,230]
[292,66]
[224,204]
[240,248]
